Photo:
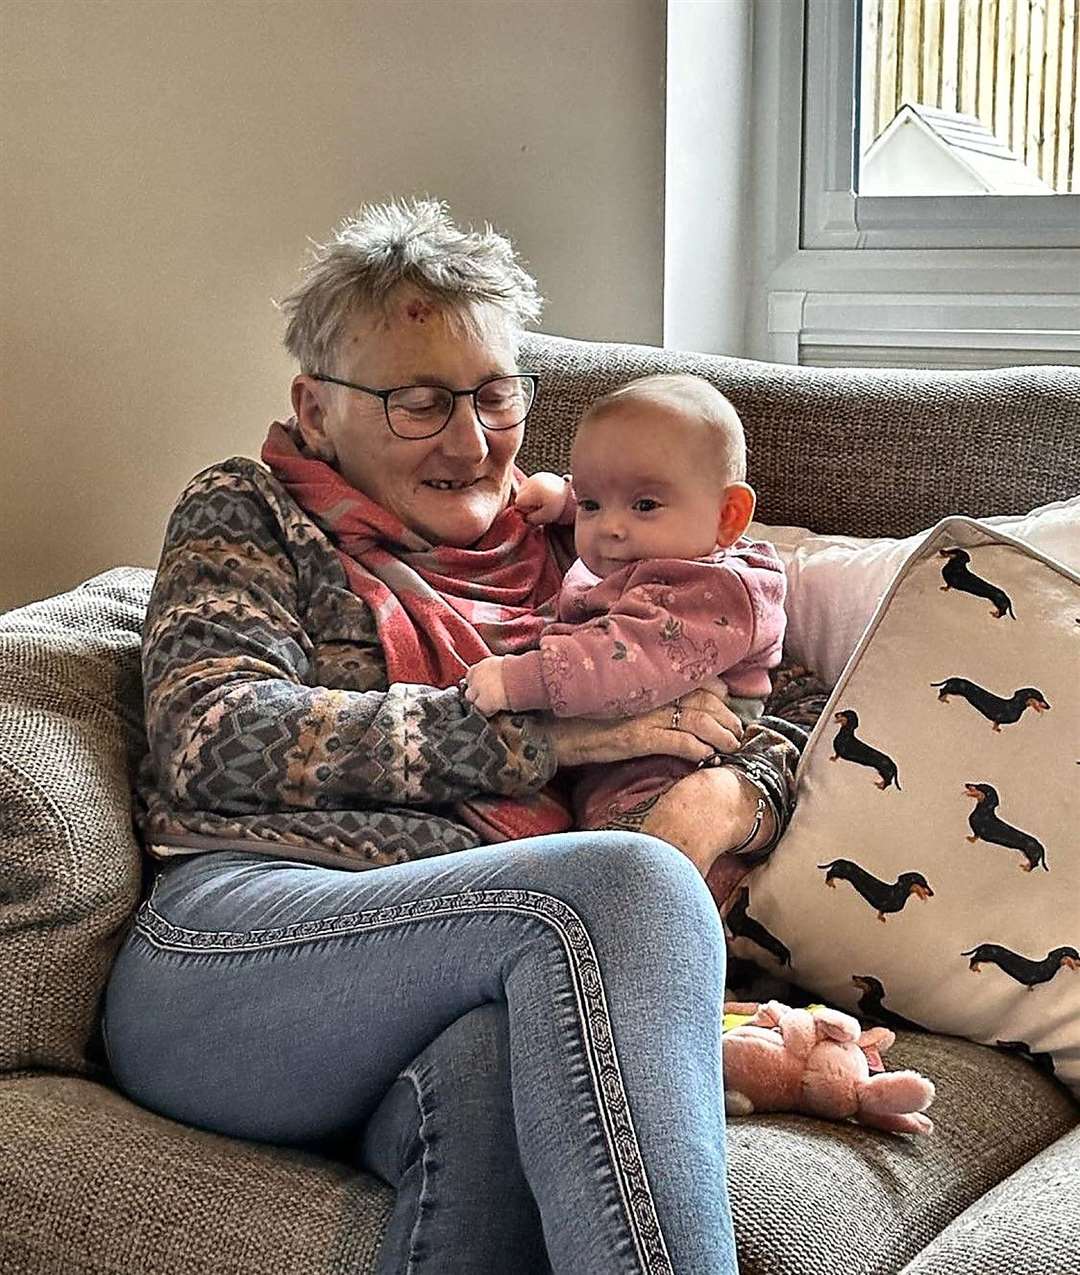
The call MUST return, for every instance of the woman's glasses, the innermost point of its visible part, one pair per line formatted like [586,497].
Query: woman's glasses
[420,411]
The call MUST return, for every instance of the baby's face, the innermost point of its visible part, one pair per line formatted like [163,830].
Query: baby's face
[646,486]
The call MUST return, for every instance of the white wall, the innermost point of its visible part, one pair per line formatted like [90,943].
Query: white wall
[164,162]
[707,233]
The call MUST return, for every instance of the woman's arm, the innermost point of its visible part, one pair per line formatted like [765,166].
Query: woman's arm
[233,725]
[705,726]
[709,811]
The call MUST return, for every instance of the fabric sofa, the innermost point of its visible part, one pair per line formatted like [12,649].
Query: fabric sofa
[91,1184]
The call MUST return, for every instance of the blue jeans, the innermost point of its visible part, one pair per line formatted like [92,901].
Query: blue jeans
[524,1040]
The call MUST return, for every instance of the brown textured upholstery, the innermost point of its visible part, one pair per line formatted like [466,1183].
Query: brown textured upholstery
[92,1185]
[70,734]
[858,452]
[1027,1223]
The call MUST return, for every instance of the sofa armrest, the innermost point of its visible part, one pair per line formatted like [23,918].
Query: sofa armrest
[71,735]
[1029,1222]
[864,452]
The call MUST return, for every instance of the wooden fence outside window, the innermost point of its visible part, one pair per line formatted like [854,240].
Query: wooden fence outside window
[1012,63]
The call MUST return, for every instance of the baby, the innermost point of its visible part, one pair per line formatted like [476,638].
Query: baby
[666,595]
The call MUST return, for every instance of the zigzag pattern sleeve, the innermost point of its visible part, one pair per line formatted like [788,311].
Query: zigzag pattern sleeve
[233,721]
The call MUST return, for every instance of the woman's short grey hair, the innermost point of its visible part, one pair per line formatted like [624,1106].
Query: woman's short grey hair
[384,246]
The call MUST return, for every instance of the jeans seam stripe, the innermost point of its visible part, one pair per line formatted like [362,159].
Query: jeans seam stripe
[609,1090]
[410,1262]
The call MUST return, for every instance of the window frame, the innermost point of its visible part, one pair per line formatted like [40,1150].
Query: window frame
[834,215]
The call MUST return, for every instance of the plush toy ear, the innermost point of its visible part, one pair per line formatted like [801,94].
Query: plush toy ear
[769,1014]
[879,1038]
[874,1043]
[799,1028]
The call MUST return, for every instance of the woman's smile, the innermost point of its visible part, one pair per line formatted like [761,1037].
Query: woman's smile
[450,484]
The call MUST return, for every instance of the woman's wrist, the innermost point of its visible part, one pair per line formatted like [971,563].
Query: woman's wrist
[567,737]
[581,741]
[755,826]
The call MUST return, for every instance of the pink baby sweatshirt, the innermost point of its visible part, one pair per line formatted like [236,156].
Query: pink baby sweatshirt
[653,630]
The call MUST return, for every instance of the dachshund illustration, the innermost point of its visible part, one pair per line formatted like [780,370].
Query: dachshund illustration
[956,575]
[1022,968]
[1000,712]
[986,826]
[1043,1062]
[743,926]
[870,1005]
[881,896]
[850,748]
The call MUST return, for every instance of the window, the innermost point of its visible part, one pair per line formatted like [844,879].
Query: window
[970,98]
[769,249]
[842,277]
[994,84]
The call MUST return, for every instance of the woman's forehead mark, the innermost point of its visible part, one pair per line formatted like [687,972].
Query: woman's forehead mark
[417,310]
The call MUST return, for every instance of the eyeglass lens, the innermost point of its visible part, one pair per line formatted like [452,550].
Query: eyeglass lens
[421,410]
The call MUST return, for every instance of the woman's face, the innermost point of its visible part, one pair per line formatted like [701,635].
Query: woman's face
[417,345]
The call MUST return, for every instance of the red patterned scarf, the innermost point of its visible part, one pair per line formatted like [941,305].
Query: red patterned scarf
[438,608]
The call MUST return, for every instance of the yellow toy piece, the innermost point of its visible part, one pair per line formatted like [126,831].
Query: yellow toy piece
[733,1020]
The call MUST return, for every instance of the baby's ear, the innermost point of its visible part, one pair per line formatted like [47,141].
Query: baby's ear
[736,513]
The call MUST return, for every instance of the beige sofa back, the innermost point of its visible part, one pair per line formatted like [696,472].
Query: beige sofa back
[860,452]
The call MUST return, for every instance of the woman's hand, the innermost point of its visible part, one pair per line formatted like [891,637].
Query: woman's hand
[701,725]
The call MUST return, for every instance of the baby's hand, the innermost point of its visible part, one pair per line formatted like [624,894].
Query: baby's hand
[717,685]
[542,498]
[484,688]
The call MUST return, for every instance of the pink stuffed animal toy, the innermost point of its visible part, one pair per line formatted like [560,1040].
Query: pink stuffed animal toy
[787,1059]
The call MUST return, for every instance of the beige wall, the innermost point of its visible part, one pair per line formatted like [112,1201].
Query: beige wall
[163,162]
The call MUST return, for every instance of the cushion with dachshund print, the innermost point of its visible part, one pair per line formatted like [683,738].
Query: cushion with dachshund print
[836,582]
[930,876]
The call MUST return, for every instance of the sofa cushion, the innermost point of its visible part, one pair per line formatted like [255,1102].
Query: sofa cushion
[836,582]
[1026,1223]
[70,736]
[142,1195]
[838,1199]
[903,887]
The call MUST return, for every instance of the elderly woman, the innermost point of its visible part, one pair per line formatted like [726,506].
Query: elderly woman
[516,1026]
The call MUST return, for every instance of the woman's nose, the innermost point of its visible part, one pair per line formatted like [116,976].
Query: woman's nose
[464,436]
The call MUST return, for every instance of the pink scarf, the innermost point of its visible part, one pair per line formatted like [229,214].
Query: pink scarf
[437,608]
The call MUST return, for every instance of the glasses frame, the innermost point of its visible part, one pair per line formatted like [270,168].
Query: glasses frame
[454,396]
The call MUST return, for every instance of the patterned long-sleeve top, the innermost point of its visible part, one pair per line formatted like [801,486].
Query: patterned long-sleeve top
[651,631]
[270,721]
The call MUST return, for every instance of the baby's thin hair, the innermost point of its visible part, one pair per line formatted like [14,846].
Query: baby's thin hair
[713,409]
[382,247]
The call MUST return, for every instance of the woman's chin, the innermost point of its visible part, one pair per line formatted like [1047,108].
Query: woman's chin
[458,518]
